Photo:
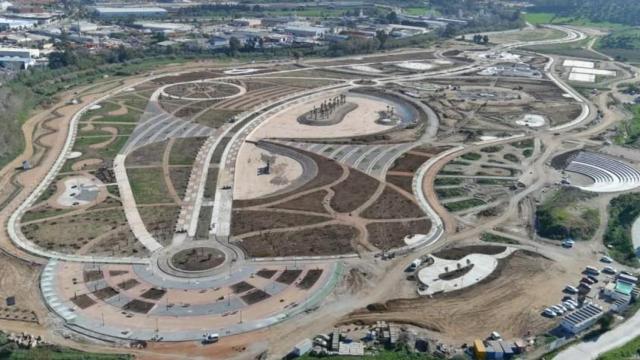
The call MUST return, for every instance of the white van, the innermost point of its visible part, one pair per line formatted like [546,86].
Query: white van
[210,338]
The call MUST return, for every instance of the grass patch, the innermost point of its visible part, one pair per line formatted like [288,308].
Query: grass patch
[511,157]
[629,350]
[527,153]
[629,130]
[447,181]
[472,156]
[148,186]
[463,204]
[565,214]
[450,193]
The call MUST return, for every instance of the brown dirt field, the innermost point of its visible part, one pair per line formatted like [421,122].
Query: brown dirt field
[310,202]
[254,296]
[128,284]
[154,294]
[288,276]
[403,182]
[390,235]
[138,306]
[509,302]
[408,163]
[83,301]
[354,191]
[92,275]
[246,221]
[328,172]
[105,293]
[266,273]
[392,205]
[241,287]
[310,278]
[325,240]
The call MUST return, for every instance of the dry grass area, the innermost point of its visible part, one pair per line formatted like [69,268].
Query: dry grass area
[509,301]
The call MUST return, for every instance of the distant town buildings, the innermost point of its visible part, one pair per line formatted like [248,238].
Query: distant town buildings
[124,12]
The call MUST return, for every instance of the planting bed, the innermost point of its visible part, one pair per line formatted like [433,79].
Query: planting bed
[352,192]
[322,240]
[392,205]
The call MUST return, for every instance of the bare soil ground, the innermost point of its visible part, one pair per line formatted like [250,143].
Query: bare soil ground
[254,296]
[389,235]
[310,202]
[328,172]
[509,302]
[403,182]
[310,278]
[409,162]
[354,191]
[392,205]
[325,240]
[245,221]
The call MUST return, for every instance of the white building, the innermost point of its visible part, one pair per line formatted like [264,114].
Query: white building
[305,31]
[245,22]
[123,12]
[83,26]
[165,27]
[16,24]
[582,319]
[22,56]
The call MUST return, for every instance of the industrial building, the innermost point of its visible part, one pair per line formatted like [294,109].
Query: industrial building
[314,32]
[23,57]
[124,12]
[16,24]
[582,318]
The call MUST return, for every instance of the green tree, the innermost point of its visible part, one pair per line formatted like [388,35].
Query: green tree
[234,45]
[382,37]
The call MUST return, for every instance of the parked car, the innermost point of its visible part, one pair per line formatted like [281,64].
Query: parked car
[591,271]
[609,270]
[568,244]
[592,278]
[557,310]
[570,289]
[606,259]
[568,305]
[586,280]
[550,313]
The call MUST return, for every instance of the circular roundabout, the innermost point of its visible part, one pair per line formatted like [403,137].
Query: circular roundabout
[202,90]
